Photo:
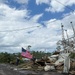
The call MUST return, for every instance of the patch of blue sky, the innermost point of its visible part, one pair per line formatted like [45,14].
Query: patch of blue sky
[38,9]
[14,4]
[68,9]
[57,15]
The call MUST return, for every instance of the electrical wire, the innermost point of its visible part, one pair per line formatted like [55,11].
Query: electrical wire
[64,5]
[37,26]
[18,29]
[9,46]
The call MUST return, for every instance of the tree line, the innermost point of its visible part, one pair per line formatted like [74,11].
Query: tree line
[11,58]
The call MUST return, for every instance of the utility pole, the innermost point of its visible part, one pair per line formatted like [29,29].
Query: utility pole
[63,39]
[62,32]
[67,36]
[73,30]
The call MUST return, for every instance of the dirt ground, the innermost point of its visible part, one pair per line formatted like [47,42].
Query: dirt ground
[6,69]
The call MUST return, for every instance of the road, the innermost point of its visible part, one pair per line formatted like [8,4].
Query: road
[6,69]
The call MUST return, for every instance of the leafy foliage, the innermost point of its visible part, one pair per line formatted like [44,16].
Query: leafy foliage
[72,55]
[7,57]
[40,54]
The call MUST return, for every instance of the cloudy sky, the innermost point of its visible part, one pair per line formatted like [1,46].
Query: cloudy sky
[34,22]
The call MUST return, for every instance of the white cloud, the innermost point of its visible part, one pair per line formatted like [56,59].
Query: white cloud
[54,32]
[22,1]
[42,1]
[12,19]
[13,13]
[56,5]
[39,38]
[3,1]
[36,17]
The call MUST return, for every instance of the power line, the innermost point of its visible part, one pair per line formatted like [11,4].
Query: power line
[58,19]
[9,46]
[38,26]
[64,5]
[18,29]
